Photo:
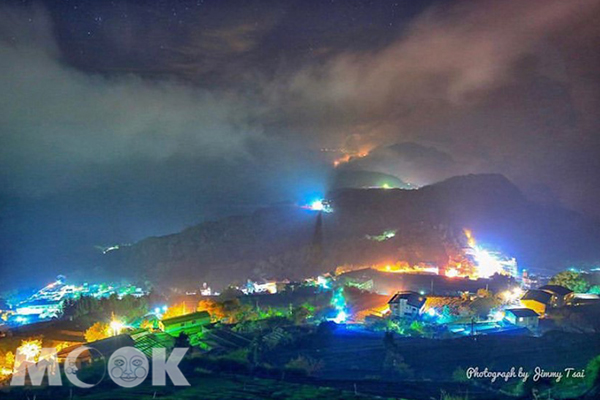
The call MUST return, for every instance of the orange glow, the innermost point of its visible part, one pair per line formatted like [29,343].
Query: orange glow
[470,238]
[402,267]
[177,310]
[350,155]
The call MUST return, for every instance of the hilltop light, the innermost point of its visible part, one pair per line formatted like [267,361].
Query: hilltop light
[319,205]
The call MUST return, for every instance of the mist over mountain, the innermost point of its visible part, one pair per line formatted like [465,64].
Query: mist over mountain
[288,241]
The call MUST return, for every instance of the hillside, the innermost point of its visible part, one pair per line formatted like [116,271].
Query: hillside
[292,242]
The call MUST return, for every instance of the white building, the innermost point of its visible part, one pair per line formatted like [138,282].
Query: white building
[406,304]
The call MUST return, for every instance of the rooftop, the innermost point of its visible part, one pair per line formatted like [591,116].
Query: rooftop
[40,302]
[556,289]
[412,298]
[537,295]
[187,317]
[522,312]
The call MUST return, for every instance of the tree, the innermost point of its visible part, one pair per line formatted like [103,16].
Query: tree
[592,372]
[300,314]
[98,331]
[571,280]
[7,364]
[595,289]
[177,310]
[482,306]
[215,309]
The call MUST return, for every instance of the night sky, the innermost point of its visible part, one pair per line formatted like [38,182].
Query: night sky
[125,119]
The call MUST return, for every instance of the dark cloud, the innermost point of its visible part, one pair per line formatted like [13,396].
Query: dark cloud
[147,121]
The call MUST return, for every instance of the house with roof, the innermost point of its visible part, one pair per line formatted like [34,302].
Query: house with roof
[560,294]
[580,299]
[406,304]
[188,324]
[97,351]
[537,300]
[523,317]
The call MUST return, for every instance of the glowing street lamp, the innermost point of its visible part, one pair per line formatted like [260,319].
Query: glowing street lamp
[116,327]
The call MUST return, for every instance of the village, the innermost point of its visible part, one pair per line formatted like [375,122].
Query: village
[391,322]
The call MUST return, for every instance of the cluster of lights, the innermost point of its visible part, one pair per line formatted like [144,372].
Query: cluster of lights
[489,263]
[31,350]
[512,296]
[319,205]
[159,311]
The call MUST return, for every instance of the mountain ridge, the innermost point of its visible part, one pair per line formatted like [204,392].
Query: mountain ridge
[288,241]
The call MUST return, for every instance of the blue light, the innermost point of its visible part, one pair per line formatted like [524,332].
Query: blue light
[318,205]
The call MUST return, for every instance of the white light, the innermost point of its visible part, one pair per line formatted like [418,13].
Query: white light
[498,315]
[452,273]
[321,281]
[317,205]
[116,327]
[341,317]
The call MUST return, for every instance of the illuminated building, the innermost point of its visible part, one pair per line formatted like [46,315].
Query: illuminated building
[560,294]
[523,317]
[206,290]
[537,300]
[270,286]
[584,298]
[41,307]
[406,304]
[189,323]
